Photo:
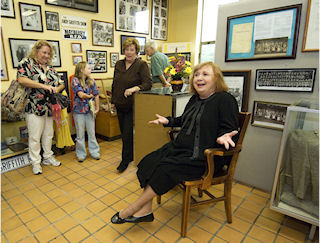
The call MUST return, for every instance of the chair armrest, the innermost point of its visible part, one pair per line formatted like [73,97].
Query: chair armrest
[172,133]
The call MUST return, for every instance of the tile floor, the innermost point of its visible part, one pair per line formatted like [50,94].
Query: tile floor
[74,203]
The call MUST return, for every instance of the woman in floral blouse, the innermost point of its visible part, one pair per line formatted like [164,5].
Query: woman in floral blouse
[86,92]
[36,73]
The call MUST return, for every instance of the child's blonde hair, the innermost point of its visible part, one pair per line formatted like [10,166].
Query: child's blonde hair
[79,74]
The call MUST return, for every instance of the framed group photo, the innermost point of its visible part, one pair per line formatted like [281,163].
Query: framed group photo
[31,17]
[295,79]
[140,39]
[97,61]
[87,5]
[114,57]
[76,48]
[52,20]
[102,33]
[159,22]
[132,16]
[269,115]
[239,86]
[20,48]
[267,34]
[7,9]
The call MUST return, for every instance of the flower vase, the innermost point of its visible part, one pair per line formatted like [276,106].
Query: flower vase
[176,85]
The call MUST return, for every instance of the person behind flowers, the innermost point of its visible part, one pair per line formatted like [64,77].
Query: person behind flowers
[130,75]
[35,72]
[210,119]
[86,91]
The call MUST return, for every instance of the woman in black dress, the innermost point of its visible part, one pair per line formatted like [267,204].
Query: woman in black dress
[210,119]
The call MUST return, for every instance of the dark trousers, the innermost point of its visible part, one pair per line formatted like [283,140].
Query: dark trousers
[125,117]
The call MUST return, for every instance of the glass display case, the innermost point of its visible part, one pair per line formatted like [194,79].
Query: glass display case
[296,185]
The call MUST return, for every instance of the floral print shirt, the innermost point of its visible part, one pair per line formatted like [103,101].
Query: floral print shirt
[81,106]
[38,102]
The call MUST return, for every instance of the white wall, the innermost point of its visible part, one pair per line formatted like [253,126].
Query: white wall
[257,161]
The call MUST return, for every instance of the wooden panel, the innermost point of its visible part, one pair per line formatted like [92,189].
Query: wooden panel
[149,137]
[107,125]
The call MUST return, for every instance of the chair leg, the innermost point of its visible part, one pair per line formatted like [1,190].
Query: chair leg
[159,199]
[227,202]
[200,192]
[185,210]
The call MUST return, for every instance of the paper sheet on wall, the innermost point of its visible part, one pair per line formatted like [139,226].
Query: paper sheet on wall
[273,25]
[312,40]
[241,38]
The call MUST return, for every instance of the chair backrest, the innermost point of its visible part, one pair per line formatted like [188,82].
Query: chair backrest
[244,118]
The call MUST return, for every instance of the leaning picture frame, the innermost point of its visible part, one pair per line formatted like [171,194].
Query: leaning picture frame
[102,33]
[114,57]
[238,82]
[132,16]
[140,39]
[31,17]
[311,29]
[269,114]
[20,48]
[262,35]
[4,67]
[159,21]
[87,5]
[7,9]
[97,61]
[52,21]
[294,79]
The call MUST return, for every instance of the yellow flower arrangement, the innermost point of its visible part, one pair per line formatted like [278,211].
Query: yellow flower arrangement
[179,67]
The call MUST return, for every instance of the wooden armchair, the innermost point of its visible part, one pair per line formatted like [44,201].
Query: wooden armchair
[203,184]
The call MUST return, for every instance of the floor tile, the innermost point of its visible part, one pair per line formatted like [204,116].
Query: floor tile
[228,234]
[17,234]
[93,224]
[76,234]
[167,234]
[47,234]
[262,234]
[292,234]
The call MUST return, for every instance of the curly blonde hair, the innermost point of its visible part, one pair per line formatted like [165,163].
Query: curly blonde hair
[217,75]
[131,41]
[79,74]
[37,46]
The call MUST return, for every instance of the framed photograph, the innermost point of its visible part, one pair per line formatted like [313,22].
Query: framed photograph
[76,59]
[296,79]
[114,57]
[311,29]
[159,22]
[31,17]
[7,9]
[97,60]
[76,48]
[239,86]
[20,48]
[4,67]
[87,5]
[140,39]
[52,20]
[132,16]
[267,34]
[269,115]
[102,33]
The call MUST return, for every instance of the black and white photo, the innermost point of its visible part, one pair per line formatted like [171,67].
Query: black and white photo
[102,33]
[159,21]
[97,61]
[114,57]
[295,79]
[7,9]
[20,48]
[87,5]
[76,48]
[52,21]
[31,18]
[269,115]
[140,39]
[132,16]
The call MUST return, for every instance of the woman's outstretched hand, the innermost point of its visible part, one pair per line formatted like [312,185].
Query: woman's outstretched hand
[226,139]
[160,120]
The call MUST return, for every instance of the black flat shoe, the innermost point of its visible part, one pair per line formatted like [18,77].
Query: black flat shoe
[122,167]
[147,218]
[116,219]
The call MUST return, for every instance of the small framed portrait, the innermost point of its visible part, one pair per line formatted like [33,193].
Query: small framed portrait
[269,115]
[114,57]
[76,59]
[52,21]
[7,9]
[30,15]
[102,33]
[76,48]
